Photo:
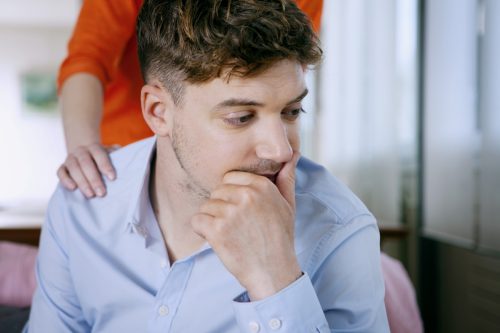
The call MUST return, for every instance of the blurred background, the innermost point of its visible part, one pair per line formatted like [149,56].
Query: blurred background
[405,109]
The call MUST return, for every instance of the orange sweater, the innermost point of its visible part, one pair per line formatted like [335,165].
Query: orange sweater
[104,44]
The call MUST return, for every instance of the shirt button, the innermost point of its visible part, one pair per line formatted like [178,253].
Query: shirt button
[142,231]
[275,324]
[163,310]
[254,326]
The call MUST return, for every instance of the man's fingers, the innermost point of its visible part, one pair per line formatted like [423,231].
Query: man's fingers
[101,158]
[239,178]
[286,179]
[66,181]
[202,224]
[215,207]
[226,192]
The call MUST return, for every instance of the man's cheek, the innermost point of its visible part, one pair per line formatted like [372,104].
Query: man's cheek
[294,137]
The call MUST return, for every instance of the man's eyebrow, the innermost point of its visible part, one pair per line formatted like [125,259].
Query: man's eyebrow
[299,98]
[236,102]
[232,102]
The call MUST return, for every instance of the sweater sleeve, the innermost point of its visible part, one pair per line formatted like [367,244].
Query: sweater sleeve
[104,27]
[313,9]
[100,36]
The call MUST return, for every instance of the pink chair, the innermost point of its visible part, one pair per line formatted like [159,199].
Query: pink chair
[400,300]
[17,277]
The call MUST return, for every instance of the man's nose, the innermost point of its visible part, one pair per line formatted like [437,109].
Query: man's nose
[274,143]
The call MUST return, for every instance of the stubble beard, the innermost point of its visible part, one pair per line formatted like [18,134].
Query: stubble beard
[190,184]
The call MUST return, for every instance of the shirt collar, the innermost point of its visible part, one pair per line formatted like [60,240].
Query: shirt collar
[140,218]
[136,216]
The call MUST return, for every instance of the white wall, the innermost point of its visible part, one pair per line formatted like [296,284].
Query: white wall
[33,37]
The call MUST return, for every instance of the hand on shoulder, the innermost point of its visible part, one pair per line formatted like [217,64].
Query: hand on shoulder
[84,167]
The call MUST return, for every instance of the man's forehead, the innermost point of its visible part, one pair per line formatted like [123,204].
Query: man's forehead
[282,83]
[280,70]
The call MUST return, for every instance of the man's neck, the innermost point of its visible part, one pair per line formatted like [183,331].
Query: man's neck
[173,205]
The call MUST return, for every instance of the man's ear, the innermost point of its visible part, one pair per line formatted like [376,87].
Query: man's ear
[157,106]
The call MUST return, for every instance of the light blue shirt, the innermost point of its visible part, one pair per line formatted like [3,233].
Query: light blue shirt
[103,265]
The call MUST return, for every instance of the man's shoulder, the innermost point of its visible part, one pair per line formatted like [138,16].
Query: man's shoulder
[318,187]
[131,166]
[328,214]
[133,156]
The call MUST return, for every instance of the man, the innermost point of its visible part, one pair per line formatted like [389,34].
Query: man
[99,84]
[212,226]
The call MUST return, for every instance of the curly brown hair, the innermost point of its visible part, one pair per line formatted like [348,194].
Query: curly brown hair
[199,40]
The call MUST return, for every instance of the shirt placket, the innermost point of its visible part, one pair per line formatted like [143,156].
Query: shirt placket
[169,297]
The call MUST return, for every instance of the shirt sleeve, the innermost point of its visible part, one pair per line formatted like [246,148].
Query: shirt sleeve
[343,292]
[55,306]
[294,309]
[103,29]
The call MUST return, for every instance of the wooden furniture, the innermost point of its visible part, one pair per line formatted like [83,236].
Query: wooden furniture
[29,236]
[21,227]
[392,232]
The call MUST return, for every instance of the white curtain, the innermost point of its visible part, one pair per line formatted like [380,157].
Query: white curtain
[366,119]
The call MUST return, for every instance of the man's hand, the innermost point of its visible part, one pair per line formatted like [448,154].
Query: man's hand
[83,168]
[249,222]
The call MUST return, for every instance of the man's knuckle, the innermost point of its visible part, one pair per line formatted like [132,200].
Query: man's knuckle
[220,226]
[247,194]
[231,213]
[198,221]
[215,193]
[261,182]
[204,207]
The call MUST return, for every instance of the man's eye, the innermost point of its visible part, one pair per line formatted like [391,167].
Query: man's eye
[293,114]
[239,121]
